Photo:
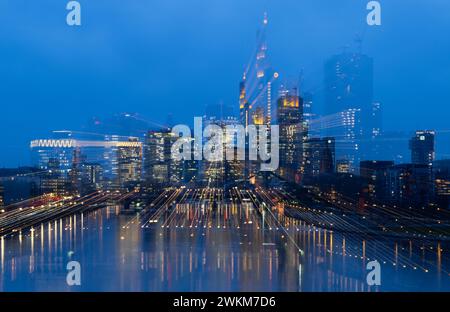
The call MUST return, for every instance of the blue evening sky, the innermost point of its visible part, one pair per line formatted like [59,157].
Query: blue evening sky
[157,57]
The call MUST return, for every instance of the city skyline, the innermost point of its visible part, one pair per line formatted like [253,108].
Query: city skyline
[204,156]
[211,78]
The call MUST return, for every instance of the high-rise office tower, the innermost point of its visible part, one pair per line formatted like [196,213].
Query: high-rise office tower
[319,157]
[120,159]
[289,118]
[55,180]
[157,156]
[257,86]
[129,161]
[308,115]
[256,93]
[263,74]
[234,167]
[349,97]
[190,170]
[224,171]
[91,177]
[376,119]
[244,105]
[422,147]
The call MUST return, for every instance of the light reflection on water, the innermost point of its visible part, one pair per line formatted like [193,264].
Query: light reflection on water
[116,254]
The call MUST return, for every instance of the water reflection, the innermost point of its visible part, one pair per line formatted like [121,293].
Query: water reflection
[204,248]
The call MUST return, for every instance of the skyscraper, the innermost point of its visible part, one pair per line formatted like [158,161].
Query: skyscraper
[225,171]
[55,180]
[319,157]
[157,156]
[256,94]
[256,88]
[422,147]
[91,177]
[120,159]
[244,105]
[129,160]
[349,88]
[263,74]
[289,118]
[376,120]
[308,115]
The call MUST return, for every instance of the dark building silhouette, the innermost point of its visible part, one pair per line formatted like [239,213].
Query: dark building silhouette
[422,147]
[376,174]
[410,185]
[319,157]
[91,177]
[441,174]
[20,183]
[392,145]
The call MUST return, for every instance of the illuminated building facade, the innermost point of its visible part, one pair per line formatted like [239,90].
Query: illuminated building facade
[289,118]
[190,170]
[91,177]
[349,93]
[308,115]
[64,159]
[256,95]
[376,119]
[56,180]
[320,157]
[257,85]
[342,166]
[244,105]
[129,161]
[234,168]
[441,175]
[157,163]
[264,75]
[225,171]
[159,166]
